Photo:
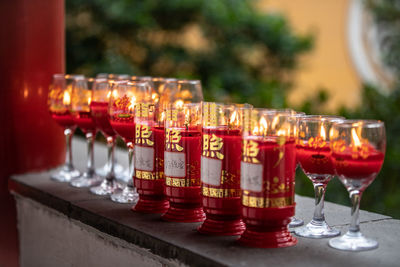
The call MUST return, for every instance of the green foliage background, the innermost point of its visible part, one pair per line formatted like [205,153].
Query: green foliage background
[241,55]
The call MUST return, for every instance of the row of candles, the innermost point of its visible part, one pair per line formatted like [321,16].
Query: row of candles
[230,166]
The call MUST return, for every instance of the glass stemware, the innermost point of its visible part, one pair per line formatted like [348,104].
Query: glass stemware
[80,108]
[59,101]
[313,153]
[119,170]
[358,151]
[102,90]
[121,112]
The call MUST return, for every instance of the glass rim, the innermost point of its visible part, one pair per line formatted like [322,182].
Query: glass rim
[187,81]
[354,123]
[318,118]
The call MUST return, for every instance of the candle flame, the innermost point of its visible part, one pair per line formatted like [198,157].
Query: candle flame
[281,132]
[179,103]
[233,117]
[275,122]
[154,97]
[162,116]
[356,139]
[133,102]
[66,98]
[108,94]
[322,132]
[255,130]
[89,100]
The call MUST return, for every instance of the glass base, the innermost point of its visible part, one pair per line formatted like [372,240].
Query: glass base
[107,187]
[128,195]
[295,222]
[118,170]
[86,180]
[353,241]
[315,229]
[65,175]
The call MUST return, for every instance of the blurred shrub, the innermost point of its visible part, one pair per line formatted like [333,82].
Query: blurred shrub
[239,53]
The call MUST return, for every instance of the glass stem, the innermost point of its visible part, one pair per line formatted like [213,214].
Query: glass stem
[68,151]
[319,189]
[90,154]
[110,158]
[130,161]
[355,197]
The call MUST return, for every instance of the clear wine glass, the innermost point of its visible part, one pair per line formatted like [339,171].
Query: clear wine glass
[101,93]
[121,112]
[80,108]
[314,155]
[119,170]
[358,151]
[59,102]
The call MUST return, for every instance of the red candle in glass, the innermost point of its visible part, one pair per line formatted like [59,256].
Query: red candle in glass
[182,164]
[100,117]
[267,182]
[149,161]
[360,163]
[122,119]
[221,156]
[315,159]
[63,118]
[84,120]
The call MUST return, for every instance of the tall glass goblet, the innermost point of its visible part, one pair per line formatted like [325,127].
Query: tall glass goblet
[121,112]
[358,151]
[59,101]
[119,170]
[80,108]
[314,155]
[102,90]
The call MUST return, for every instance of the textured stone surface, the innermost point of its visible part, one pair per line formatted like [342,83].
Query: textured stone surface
[181,241]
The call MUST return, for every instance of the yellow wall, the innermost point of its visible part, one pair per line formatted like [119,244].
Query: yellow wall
[329,64]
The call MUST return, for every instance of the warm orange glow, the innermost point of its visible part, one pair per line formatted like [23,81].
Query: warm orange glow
[133,102]
[234,118]
[66,98]
[179,103]
[162,116]
[89,100]
[154,97]
[356,140]
[281,132]
[322,132]
[274,122]
[255,130]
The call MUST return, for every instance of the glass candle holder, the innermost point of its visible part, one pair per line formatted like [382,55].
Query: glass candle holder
[59,102]
[267,178]
[182,163]
[149,160]
[220,169]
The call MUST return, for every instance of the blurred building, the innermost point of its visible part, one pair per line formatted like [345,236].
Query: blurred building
[345,54]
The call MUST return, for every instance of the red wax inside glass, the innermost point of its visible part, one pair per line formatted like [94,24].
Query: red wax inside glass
[315,160]
[100,116]
[182,174]
[83,120]
[150,184]
[221,197]
[125,128]
[267,201]
[63,118]
[357,167]
[230,172]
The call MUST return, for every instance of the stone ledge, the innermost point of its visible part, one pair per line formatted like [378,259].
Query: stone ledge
[181,242]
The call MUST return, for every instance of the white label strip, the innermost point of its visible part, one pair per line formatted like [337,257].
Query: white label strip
[174,164]
[144,158]
[251,176]
[211,171]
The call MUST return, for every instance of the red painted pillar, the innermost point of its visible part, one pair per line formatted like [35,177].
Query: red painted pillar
[31,50]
